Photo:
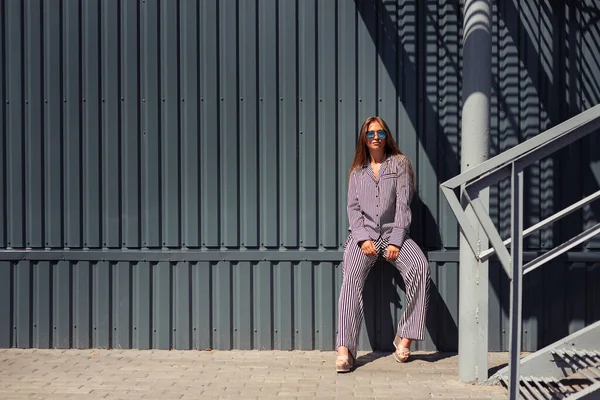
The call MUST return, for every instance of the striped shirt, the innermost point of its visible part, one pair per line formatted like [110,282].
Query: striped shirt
[381,207]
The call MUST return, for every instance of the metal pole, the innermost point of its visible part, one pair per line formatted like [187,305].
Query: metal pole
[473,275]
[516,285]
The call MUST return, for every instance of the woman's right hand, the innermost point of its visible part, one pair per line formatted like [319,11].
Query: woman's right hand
[368,248]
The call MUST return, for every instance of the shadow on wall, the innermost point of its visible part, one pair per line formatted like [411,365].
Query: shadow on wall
[549,51]
[544,69]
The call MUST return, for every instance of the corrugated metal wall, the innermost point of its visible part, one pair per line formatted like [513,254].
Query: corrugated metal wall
[168,302]
[174,173]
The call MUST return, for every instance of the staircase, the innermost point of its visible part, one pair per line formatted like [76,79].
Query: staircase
[570,367]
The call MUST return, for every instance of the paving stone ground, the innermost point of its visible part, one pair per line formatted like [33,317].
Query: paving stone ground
[155,374]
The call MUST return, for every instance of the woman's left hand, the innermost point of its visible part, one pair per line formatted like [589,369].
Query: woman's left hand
[392,252]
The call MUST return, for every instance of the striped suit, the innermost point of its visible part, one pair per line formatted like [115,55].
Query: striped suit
[379,210]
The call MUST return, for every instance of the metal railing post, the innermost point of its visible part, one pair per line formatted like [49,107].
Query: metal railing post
[516,285]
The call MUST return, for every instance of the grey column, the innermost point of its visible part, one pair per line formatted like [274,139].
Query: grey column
[473,275]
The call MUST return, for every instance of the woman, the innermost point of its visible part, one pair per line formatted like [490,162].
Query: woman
[379,194]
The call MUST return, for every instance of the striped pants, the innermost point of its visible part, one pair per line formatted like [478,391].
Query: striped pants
[413,267]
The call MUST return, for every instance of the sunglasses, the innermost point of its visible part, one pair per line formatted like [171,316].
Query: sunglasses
[380,134]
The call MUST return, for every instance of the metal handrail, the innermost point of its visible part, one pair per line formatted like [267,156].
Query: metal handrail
[511,163]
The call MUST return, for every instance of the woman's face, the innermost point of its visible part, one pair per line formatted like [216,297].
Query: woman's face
[376,137]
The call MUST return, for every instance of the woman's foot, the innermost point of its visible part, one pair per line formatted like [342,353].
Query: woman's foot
[344,361]
[402,352]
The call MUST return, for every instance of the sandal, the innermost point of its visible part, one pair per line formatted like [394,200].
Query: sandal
[344,363]
[402,353]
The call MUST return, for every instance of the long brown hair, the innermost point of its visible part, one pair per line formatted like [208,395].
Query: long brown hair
[362,156]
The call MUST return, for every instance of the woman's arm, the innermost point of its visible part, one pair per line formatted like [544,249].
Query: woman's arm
[403,216]
[355,217]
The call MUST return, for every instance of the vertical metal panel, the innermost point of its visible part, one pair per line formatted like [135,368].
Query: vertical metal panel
[14,138]
[82,305]
[325,304]
[509,94]
[532,308]
[555,321]
[130,124]
[210,129]
[304,306]
[222,301]
[591,183]
[101,305]
[408,104]
[268,122]
[495,101]
[6,299]
[288,122]
[170,123]
[366,60]
[151,154]
[121,305]
[347,106]
[61,305]
[42,305]
[248,124]
[202,305]
[190,143]
[387,64]
[307,113]
[91,124]
[575,286]
[3,106]
[529,106]
[161,306]
[429,134]
[447,281]
[570,189]
[22,305]
[34,131]
[228,83]
[142,306]
[72,124]
[52,124]
[110,117]
[242,306]
[592,294]
[283,304]
[263,303]
[182,306]
[92,221]
[326,127]
[448,160]
[548,111]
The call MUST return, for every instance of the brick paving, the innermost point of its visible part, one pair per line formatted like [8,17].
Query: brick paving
[155,374]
